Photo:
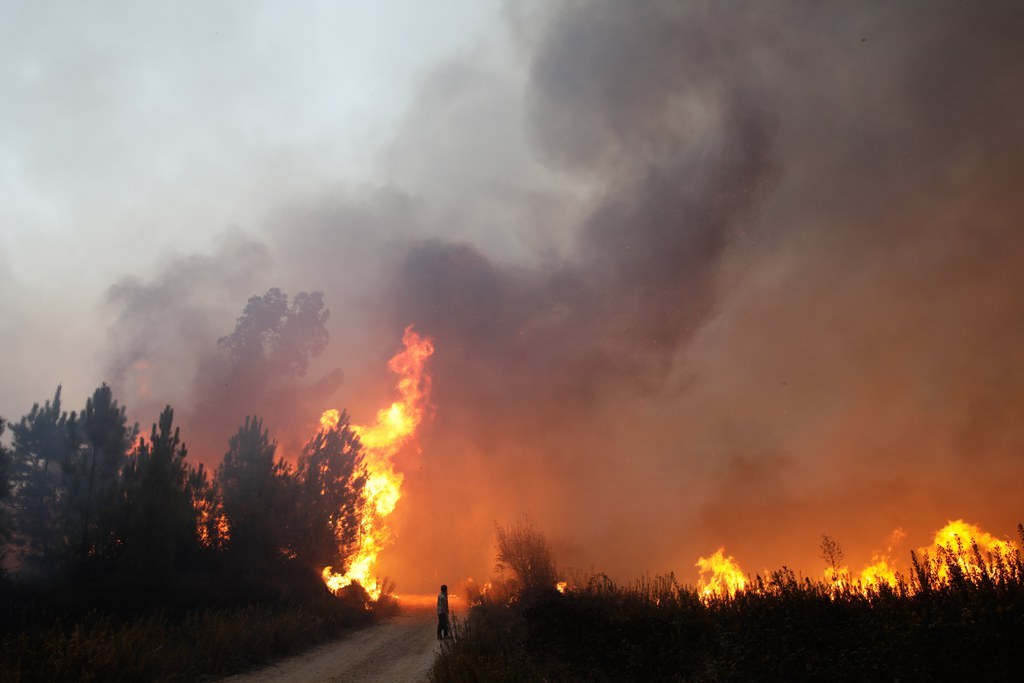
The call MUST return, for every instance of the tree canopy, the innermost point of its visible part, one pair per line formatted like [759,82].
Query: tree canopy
[278,337]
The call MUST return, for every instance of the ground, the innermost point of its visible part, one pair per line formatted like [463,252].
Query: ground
[400,648]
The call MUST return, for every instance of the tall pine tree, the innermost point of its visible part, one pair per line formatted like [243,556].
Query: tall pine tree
[6,461]
[102,439]
[42,444]
[330,479]
[160,521]
[254,490]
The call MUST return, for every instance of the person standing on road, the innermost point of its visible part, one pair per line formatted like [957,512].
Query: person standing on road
[442,613]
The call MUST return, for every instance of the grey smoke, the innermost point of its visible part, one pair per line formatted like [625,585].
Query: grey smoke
[719,273]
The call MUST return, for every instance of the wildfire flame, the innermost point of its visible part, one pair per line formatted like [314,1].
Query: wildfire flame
[720,576]
[880,571]
[953,541]
[394,427]
[958,536]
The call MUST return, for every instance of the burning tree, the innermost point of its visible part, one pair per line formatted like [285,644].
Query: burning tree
[88,495]
[395,426]
[330,479]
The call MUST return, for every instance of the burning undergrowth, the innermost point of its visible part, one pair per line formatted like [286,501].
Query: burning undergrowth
[956,614]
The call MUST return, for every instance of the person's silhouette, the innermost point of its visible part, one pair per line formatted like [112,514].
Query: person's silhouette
[442,613]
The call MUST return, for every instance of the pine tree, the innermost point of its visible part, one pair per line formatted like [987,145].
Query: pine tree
[276,337]
[330,480]
[160,522]
[6,462]
[42,444]
[254,489]
[102,441]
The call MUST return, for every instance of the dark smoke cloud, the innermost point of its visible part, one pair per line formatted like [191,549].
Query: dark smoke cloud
[640,284]
[724,273]
[792,308]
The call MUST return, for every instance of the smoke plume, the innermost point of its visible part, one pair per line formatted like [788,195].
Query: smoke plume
[698,274]
[790,307]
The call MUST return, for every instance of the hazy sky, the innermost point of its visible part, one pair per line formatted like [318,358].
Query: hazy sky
[698,273]
[129,132]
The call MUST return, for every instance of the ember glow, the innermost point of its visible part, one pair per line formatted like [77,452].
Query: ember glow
[394,427]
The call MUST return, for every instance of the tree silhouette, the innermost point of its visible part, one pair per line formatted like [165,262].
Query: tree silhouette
[160,522]
[260,367]
[524,551]
[832,554]
[208,503]
[330,480]
[102,439]
[254,490]
[6,461]
[41,446]
[277,338]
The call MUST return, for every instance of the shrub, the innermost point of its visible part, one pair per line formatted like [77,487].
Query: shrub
[523,551]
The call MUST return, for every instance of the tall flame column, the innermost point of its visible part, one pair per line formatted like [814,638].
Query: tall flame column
[394,427]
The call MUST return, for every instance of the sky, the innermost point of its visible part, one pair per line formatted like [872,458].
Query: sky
[131,134]
[697,273]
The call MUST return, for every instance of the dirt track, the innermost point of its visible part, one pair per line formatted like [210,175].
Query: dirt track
[399,649]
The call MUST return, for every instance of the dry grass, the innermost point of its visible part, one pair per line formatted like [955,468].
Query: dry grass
[157,648]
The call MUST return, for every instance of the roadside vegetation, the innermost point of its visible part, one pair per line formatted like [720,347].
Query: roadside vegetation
[124,560]
[167,645]
[958,616]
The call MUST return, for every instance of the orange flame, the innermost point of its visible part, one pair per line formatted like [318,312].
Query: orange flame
[726,577]
[951,544]
[954,541]
[881,570]
[952,547]
[395,426]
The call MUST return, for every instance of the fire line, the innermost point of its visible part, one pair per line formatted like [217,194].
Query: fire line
[721,576]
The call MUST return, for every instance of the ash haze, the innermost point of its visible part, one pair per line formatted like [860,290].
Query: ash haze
[697,273]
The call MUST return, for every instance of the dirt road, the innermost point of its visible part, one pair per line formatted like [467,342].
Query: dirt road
[399,649]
